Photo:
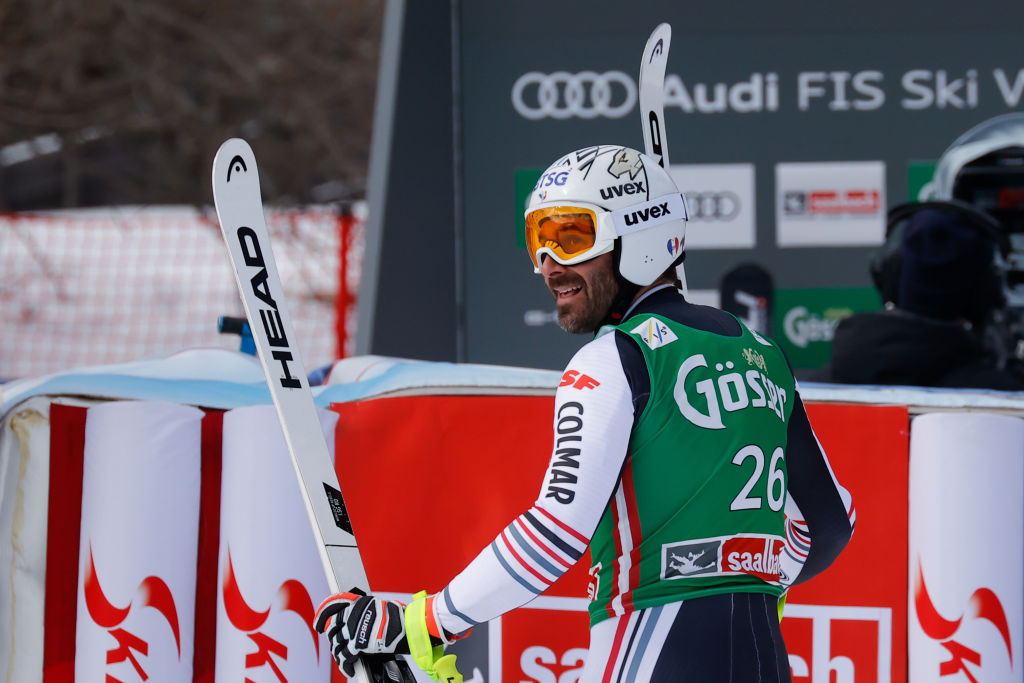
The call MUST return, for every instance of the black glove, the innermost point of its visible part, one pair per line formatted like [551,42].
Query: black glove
[358,624]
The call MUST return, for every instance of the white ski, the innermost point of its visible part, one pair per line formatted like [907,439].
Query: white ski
[652,105]
[652,93]
[236,193]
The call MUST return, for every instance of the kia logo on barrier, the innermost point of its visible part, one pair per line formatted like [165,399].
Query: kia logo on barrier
[983,604]
[564,95]
[293,598]
[154,593]
[712,206]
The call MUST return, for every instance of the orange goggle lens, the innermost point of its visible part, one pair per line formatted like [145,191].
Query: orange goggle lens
[566,230]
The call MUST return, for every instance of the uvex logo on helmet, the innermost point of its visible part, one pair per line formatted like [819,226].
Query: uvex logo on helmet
[623,189]
[153,592]
[292,597]
[648,214]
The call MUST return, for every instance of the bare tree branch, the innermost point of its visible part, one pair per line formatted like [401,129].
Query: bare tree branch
[168,80]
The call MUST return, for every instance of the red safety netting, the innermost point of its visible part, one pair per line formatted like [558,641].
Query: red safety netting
[81,288]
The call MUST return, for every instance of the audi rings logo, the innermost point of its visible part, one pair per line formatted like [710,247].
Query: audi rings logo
[563,95]
[713,206]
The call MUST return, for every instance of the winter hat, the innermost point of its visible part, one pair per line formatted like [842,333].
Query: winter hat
[942,261]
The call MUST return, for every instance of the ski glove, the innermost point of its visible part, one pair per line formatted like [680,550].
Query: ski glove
[358,624]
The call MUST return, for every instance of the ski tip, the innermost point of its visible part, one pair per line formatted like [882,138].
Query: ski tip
[233,158]
[234,143]
[664,29]
[658,42]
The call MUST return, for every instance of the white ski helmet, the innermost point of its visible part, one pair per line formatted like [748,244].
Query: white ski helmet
[589,198]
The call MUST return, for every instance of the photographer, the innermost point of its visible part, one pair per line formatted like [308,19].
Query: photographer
[941,278]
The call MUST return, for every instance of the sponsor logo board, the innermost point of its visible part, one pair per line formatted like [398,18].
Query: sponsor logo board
[830,204]
[839,643]
[806,320]
[919,177]
[720,201]
[542,645]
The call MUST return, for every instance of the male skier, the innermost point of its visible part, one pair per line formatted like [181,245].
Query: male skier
[685,461]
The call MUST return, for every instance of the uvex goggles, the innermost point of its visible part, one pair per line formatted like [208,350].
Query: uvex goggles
[578,232]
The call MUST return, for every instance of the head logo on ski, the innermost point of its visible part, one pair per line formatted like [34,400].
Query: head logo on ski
[237,159]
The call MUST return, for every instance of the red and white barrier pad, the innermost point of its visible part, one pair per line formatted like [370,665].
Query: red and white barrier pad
[154,528]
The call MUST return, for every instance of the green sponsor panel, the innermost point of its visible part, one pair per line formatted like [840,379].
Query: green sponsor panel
[806,319]
[526,179]
[919,174]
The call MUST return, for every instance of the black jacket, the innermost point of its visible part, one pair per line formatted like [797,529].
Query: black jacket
[894,347]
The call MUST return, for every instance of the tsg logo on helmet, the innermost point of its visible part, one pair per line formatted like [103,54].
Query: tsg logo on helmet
[563,95]
[579,219]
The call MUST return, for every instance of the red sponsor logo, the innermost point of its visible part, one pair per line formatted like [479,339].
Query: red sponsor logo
[983,604]
[832,202]
[153,592]
[843,201]
[756,555]
[840,644]
[269,652]
[578,381]
[544,646]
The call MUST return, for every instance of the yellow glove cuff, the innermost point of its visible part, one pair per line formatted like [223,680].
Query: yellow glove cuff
[430,658]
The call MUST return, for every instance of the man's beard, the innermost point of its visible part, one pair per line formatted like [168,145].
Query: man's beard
[580,317]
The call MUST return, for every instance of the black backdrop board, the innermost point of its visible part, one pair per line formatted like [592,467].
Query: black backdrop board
[407,296]
[808,120]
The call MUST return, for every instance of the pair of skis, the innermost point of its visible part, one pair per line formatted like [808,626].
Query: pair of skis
[236,191]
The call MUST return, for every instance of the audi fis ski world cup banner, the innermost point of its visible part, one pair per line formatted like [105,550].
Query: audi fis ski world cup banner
[790,152]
